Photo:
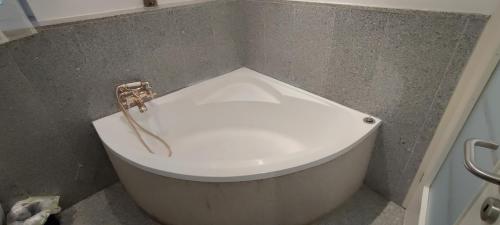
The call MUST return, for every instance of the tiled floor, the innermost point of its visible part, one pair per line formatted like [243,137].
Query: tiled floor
[365,208]
[112,206]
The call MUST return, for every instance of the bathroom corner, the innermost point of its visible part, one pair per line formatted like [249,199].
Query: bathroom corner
[398,65]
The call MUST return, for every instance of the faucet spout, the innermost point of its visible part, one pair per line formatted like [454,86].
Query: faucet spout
[139,102]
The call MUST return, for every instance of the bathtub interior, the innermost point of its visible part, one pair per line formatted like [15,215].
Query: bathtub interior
[237,124]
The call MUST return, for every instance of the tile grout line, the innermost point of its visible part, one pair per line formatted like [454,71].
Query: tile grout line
[444,75]
[212,22]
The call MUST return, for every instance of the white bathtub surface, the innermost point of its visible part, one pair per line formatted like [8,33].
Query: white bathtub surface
[239,126]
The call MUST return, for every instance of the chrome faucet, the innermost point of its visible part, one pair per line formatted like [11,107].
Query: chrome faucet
[135,94]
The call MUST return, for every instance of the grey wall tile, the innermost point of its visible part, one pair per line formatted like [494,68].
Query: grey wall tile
[356,43]
[254,40]
[71,157]
[11,145]
[159,48]
[462,51]
[416,54]
[228,28]
[111,57]
[389,63]
[197,41]
[311,41]
[269,41]
[399,65]
[40,157]
[64,77]
[278,26]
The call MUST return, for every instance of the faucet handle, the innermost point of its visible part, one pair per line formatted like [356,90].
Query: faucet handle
[149,88]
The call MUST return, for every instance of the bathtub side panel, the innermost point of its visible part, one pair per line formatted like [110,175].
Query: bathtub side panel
[294,199]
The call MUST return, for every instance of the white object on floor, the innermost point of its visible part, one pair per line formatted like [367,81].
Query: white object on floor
[2,215]
[33,210]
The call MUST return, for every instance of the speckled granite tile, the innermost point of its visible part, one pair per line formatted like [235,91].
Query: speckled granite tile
[311,38]
[52,61]
[110,53]
[158,41]
[416,53]
[254,40]
[75,67]
[365,208]
[228,35]
[417,50]
[356,43]
[111,206]
[36,138]
[197,42]
[195,24]
[278,28]
[11,145]
[392,151]
[462,52]
[388,63]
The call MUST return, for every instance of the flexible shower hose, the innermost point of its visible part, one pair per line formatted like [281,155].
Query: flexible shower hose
[136,127]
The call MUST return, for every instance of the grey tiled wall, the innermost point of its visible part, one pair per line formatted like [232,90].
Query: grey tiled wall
[398,65]
[401,66]
[55,83]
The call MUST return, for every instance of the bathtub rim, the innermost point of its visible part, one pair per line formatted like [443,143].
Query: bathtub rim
[317,157]
[240,178]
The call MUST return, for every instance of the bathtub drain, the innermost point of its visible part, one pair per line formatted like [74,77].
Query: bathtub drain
[369,120]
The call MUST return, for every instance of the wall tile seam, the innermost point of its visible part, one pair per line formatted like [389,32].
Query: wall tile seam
[213,36]
[377,62]
[159,9]
[374,8]
[213,40]
[330,5]
[330,48]
[264,33]
[293,43]
[435,94]
[79,45]
[178,36]
[242,32]
[379,54]
[14,63]
[177,30]
[9,49]
[213,31]
[177,39]
[13,60]
[245,37]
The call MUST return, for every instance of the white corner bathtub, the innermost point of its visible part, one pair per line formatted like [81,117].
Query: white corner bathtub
[247,150]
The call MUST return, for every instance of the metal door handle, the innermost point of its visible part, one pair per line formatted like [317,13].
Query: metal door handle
[470,162]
